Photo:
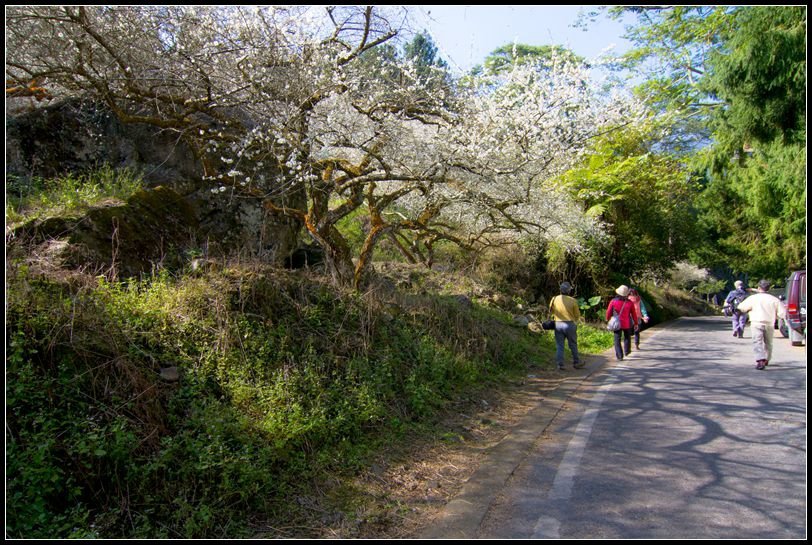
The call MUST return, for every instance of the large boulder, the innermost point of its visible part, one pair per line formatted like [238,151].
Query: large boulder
[177,214]
[74,136]
[148,232]
[156,229]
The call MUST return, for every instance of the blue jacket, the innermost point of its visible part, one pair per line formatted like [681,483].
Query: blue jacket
[737,293]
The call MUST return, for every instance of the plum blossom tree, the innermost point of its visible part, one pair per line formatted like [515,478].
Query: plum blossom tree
[528,126]
[281,104]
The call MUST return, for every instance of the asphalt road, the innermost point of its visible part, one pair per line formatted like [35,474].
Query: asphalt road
[684,439]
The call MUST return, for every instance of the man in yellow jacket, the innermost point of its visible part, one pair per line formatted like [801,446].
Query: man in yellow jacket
[564,310]
[764,310]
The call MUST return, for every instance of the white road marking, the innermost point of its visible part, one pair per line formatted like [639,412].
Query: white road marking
[548,527]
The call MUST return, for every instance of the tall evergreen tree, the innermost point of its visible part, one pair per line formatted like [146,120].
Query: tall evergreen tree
[423,53]
[741,72]
[760,135]
[760,75]
[504,57]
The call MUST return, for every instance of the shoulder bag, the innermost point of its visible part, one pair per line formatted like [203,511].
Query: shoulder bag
[614,321]
[548,325]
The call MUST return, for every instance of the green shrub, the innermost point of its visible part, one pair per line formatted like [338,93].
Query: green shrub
[284,380]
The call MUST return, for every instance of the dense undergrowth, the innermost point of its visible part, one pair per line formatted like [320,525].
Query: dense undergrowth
[221,402]
[283,380]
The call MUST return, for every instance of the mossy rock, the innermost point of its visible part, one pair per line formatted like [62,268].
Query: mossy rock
[154,229]
[150,231]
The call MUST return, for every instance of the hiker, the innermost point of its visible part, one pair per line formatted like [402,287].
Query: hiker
[624,309]
[642,315]
[565,312]
[732,301]
[764,310]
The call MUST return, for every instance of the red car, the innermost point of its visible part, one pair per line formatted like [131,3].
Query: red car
[794,298]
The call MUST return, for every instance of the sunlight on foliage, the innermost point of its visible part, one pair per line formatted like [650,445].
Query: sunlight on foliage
[68,194]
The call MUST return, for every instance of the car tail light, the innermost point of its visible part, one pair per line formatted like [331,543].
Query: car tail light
[792,308]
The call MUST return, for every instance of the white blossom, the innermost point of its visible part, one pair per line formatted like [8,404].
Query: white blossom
[276,94]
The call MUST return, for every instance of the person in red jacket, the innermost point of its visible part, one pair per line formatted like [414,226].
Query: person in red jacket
[628,317]
[640,310]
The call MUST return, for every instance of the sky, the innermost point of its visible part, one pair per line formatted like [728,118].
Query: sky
[465,35]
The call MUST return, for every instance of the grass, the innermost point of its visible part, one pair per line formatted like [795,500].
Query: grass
[285,382]
[33,198]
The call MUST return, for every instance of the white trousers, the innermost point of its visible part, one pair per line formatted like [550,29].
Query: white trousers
[762,333]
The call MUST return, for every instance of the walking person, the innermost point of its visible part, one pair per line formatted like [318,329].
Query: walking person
[764,310]
[642,315]
[732,301]
[564,310]
[627,316]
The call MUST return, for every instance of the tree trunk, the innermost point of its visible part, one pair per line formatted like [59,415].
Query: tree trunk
[340,267]
[337,253]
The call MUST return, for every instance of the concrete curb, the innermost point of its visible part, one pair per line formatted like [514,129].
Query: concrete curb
[462,516]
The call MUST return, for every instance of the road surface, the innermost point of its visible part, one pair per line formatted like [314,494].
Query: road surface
[684,439]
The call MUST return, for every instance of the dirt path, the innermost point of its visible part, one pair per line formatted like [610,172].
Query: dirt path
[410,489]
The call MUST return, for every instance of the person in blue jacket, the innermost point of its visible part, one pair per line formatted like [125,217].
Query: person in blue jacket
[732,301]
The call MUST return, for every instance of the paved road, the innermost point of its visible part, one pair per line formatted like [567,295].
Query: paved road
[683,439]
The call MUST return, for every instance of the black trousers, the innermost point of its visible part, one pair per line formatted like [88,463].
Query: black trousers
[627,342]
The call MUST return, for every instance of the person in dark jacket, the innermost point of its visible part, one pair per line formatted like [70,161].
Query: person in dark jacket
[732,301]
[628,317]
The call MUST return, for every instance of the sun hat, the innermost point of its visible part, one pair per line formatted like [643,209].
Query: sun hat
[623,291]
